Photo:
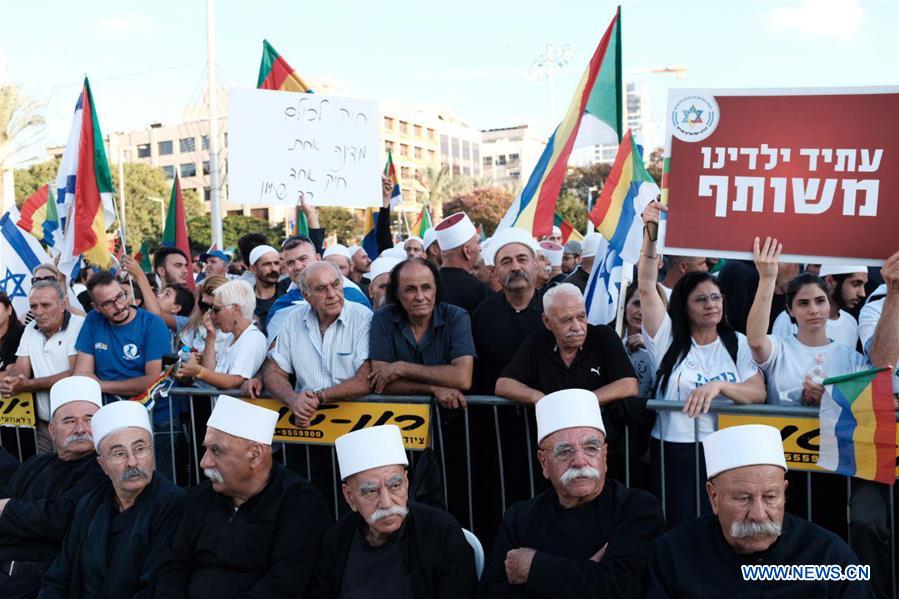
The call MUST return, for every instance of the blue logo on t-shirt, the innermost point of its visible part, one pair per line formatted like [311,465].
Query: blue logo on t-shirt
[727,377]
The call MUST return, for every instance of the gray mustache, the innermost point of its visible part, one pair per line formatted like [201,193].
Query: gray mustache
[134,473]
[76,438]
[741,530]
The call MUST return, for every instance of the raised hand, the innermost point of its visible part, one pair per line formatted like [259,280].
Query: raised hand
[766,257]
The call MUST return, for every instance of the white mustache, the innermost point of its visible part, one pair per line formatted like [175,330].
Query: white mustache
[76,438]
[213,475]
[741,530]
[396,510]
[573,473]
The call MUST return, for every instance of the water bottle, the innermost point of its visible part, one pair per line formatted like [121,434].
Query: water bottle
[183,356]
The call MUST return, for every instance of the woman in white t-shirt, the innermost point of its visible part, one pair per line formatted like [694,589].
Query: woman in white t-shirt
[231,312]
[795,365]
[700,358]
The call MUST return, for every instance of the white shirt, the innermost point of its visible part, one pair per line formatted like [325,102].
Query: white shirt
[867,324]
[791,360]
[244,356]
[49,356]
[843,330]
[322,361]
[702,364]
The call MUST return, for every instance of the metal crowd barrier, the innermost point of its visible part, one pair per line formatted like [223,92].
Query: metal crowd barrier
[193,440]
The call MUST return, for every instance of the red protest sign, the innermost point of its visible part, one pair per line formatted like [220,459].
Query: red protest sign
[818,169]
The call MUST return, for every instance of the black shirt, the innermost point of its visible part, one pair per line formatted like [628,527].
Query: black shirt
[375,572]
[559,278]
[499,330]
[739,281]
[9,343]
[601,360]
[578,278]
[459,288]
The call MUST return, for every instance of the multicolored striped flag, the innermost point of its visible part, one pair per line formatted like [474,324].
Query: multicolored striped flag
[593,117]
[175,233]
[396,196]
[84,188]
[160,384]
[143,257]
[300,223]
[626,192]
[370,239]
[38,215]
[568,230]
[858,426]
[275,73]
[423,223]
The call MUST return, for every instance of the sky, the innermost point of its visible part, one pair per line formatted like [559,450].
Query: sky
[147,60]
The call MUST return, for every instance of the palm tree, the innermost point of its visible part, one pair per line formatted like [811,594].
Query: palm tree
[21,123]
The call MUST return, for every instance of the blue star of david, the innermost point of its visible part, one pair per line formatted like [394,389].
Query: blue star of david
[695,112]
[16,281]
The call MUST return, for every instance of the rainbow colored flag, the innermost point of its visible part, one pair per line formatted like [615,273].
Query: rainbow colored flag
[396,196]
[38,215]
[568,230]
[858,426]
[175,233]
[626,192]
[147,398]
[423,223]
[275,73]
[593,117]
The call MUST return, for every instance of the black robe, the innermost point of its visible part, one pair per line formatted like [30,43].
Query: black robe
[265,548]
[694,560]
[87,566]
[44,492]
[628,520]
[440,560]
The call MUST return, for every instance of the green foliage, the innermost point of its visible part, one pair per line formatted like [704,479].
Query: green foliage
[573,209]
[485,206]
[340,222]
[233,228]
[28,180]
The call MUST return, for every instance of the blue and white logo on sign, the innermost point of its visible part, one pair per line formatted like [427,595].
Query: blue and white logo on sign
[694,118]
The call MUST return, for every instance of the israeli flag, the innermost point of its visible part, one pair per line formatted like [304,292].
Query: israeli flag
[601,294]
[20,252]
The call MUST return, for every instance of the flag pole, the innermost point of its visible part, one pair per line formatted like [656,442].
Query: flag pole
[215,201]
[122,220]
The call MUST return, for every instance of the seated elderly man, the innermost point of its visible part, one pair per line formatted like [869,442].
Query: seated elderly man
[747,490]
[418,344]
[574,354]
[121,532]
[46,352]
[253,529]
[589,536]
[38,503]
[389,547]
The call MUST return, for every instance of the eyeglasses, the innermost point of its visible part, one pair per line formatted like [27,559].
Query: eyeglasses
[566,453]
[320,289]
[714,298]
[39,279]
[120,298]
[120,456]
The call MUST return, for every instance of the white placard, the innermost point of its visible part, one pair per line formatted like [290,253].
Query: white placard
[284,144]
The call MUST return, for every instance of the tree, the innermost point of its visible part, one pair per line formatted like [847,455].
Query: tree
[573,209]
[28,180]
[20,125]
[580,179]
[340,222]
[484,206]
[233,228]
[143,185]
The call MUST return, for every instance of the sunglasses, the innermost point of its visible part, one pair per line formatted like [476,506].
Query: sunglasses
[204,306]
[216,309]
[39,279]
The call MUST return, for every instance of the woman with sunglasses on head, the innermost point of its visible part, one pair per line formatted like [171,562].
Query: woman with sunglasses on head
[11,329]
[700,359]
[232,313]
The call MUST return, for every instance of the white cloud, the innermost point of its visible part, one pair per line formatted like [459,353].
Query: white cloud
[122,26]
[839,20]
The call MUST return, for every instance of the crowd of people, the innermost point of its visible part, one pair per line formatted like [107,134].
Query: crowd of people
[99,512]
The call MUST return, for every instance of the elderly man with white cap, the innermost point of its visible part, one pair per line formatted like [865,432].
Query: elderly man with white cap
[252,530]
[553,253]
[379,276]
[432,248]
[414,246]
[846,290]
[121,531]
[588,536]
[747,489]
[460,251]
[339,255]
[389,546]
[265,264]
[581,274]
[38,503]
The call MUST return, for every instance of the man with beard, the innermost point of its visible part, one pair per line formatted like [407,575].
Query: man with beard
[389,547]
[846,285]
[432,248]
[588,536]
[414,247]
[121,531]
[460,251]
[360,263]
[571,256]
[265,264]
[379,277]
[252,530]
[120,345]
[171,267]
[747,490]
[39,501]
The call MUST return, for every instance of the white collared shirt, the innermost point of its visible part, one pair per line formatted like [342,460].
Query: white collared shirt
[49,356]
[322,361]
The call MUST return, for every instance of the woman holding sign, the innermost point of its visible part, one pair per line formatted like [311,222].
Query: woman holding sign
[795,365]
[700,358]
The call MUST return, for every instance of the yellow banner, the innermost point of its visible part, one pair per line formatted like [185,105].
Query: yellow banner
[17,410]
[800,437]
[333,420]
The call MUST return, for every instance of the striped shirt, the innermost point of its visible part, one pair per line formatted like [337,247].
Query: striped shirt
[322,361]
